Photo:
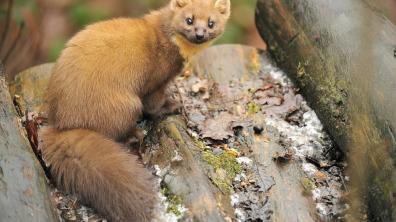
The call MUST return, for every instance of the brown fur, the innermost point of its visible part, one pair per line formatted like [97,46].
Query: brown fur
[106,77]
[100,173]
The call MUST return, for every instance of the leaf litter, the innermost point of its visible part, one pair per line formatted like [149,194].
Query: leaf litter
[223,115]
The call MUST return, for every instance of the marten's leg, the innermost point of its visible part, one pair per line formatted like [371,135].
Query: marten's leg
[159,103]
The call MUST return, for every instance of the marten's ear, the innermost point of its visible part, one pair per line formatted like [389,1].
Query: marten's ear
[224,6]
[179,3]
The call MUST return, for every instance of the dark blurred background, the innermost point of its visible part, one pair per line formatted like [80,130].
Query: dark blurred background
[35,31]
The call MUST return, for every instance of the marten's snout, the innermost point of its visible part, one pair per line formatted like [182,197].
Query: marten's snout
[199,37]
[200,34]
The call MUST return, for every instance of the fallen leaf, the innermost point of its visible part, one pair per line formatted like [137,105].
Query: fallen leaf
[320,176]
[220,127]
[290,104]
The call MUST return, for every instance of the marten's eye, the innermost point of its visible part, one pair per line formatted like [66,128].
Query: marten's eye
[190,21]
[211,24]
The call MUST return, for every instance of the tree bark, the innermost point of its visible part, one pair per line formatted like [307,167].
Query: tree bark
[24,193]
[341,54]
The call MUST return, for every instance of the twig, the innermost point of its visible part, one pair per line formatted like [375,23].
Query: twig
[2,72]
[7,23]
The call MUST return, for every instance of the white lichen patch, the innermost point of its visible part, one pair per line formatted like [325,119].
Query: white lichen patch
[244,161]
[277,74]
[167,210]
[308,139]
[162,214]
[309,169]
[177,157]
[240,214]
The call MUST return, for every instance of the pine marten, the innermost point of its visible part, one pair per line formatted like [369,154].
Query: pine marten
[107,76]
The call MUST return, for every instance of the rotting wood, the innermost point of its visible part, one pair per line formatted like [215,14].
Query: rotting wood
[241,63]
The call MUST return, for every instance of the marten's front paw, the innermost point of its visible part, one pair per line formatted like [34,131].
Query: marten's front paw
[172,106]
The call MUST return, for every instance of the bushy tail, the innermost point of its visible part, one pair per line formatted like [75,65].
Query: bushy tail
[100,172]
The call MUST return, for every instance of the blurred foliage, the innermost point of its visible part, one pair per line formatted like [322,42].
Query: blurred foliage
[56,48]
[80,13]
[19,36]
[242,18]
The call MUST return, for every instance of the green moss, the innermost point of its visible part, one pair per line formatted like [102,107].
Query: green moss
[173,132]
[223,161]
[308,185]
[253,108]
[226,168]
[173,200]
[301,69]
[223,185]
[199,143]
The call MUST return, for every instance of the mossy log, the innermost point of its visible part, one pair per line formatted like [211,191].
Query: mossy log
[24,193]
[167,138]
[170,147]
[238,63]
[181,158]
[341,54]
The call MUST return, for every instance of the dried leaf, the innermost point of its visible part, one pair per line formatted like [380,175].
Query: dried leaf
[291,104]
[320,176]
[220,127]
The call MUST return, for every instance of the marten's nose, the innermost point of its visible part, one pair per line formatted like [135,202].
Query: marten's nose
[199,37]
[200,33]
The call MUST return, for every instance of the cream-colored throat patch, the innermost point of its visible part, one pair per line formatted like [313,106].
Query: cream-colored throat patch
[188,49]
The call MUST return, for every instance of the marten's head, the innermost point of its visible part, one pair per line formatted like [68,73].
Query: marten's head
[200,21]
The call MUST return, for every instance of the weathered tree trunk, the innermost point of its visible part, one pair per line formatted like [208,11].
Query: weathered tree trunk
[24,193]
[341,54]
